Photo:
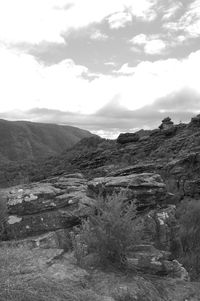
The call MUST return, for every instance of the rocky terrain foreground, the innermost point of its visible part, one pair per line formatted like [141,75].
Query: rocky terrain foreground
[42,215]
[45,274]
[157,172]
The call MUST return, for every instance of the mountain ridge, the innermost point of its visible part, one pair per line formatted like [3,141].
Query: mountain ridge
[25,140]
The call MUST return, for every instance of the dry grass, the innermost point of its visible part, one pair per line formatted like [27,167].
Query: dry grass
[24,277]
[31,275]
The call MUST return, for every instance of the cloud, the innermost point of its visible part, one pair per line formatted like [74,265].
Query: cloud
[151,44]
[99,36]
[126,70]
[186,100]
[189,22]
[172,10]
[120,19]
[114,118]
[96,99]
[36,21]
[154,46]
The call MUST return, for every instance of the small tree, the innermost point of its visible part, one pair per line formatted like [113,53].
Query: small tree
[109,231]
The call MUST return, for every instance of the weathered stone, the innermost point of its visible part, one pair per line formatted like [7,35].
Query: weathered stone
[153,261]
[59,239]
[127,138]
[38,208]
[160,227]
[134,169]
[146,189]
[195,121]
[166,124]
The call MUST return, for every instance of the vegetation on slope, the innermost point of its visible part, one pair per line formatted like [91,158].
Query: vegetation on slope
[189,219]
[21,140]
[109,232]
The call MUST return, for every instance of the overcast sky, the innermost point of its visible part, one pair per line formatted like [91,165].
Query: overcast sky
[108,66]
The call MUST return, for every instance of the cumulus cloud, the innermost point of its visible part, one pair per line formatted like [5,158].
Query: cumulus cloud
[99,36]
[108,101]
[66,86]
[120,19]
[37,21]
[172,10]
[114,118]
[151,44]
[189,22]
[185,100]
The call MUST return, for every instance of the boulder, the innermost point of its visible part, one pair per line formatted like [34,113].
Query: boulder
[166,124]
[155,262]
[146,189]
[42,207]
[127,138]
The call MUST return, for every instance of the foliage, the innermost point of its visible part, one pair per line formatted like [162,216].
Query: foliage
[3,213]
[189,217]
[109,231]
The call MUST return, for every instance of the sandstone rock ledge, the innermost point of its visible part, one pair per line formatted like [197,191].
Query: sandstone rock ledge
[146,189]
[49,206]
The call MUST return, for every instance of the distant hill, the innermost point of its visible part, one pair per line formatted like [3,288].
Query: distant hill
[22,140]
[171,150]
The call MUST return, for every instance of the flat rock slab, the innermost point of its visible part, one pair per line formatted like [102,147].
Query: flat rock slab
[42,207]
[147,189]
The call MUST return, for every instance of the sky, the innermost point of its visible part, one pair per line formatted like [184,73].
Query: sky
[105,66]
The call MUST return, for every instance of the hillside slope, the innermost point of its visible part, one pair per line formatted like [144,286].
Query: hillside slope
[21,140]
[174,153]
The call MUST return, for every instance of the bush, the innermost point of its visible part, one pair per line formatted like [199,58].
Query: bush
[3,213]
[109,231]
[189,217]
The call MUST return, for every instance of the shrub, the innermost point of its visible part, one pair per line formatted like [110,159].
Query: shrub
[3,213]
[109,231]
[189,217]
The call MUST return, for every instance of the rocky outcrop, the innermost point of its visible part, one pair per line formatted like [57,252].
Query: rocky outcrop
[135,169]
[127,138]
[156,220]
[146,189]
[38,208]
[44,214]
[150,260]
[166,124]
[59,239]
[195,122]
[160,228]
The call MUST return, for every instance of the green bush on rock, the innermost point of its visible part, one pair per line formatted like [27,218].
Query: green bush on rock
[108,233]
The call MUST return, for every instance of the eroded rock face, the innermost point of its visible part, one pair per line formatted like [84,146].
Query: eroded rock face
[195,121]
[153,261]
[127,138]
[160,228]
[43,215]
[38,208]
[146,189]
